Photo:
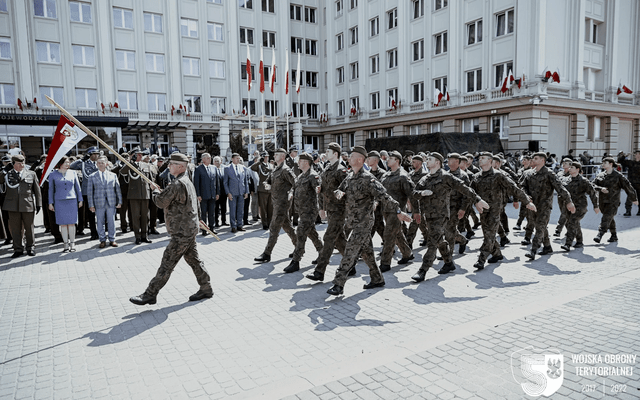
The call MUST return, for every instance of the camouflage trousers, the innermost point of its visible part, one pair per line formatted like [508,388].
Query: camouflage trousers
[564,214]
[608,223]
[306,229]
[464,225]
[522,214]
[574,231]
[393,236]
[628,203]
[179,247]
[359,243]
[378,223]
[451,233]
[333,238]
[490,220]
[435,242]
[280,219]
[540,224]
[413,230]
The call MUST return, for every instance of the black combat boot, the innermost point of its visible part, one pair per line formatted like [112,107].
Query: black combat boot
[143,299]
[613,238]
[447,267]
[420,275]
[495,259]
[531,254]
[526,241]
[202,294]
[578,245]
[566,247]
[372,285]
[316,276]
[385,267]
[292,267]
[335,290]
[264,257]
[598,237]
[504,241]
[405,260]
[479,265]
[627,213]
[546,250]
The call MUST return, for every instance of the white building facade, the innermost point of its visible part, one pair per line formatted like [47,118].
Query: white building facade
[369,68]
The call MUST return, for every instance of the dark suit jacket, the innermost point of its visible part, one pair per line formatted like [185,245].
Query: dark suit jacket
[26,196]
[206,182]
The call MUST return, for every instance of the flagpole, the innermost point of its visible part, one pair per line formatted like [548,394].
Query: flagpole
[263,121]
[102,142]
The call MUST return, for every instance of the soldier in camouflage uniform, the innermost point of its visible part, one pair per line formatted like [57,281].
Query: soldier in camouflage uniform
[305,197]
[373,161]
[333,210]
[280,182]
[564,177]
[292,163]
[524,212]
[578,187]
[434,192]
[464,225]
[633,168]
[360,190]
[182,217]
[611,183]
[503,227]
[539,184]
[494,187]
[458,204]
[415,176]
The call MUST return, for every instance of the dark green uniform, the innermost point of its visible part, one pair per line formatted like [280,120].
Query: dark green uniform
[378,224]
[614,182]
[281,180]
[457,202]
[400,187]
[414,226]
[306,202]
[633,170]
[564,178]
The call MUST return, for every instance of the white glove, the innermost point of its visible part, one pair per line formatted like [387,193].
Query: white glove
[267,186]
[338,194]
[426,193]
[290,196]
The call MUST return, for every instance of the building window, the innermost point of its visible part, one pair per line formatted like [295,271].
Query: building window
[86,98]
[388,132]
[268,6]
[152,23]
[440,83]
[500,125]
[415,129]
[251,109]
[296,45]
[341,108]
[418,50]
[5,49]
[125,60]
[270,108]
[7,94]
[338,139]
[375,101]
[294,77]
[128,100]
[216,69]
[392,95]
[474,80]
[352,140]
[3,5]
[439,4]
[392,58]
[311,47]
[191,66]
[354,70]
[592,32]
[471,125]
[48,52]
[215,1]
[80,12]
[243,72]
[189,28]
[374,27]
[157,102]
[373,134]
[417,9]
[436,127]
[122,18]
[312,79]
[504,23]
[295,12]
[45,8]
[155,62]
[354,104]
[192,104]
[418,92]
[246,35]
[595,129]
[268,39]
[248,4]
[312,111]
[297,109]
[215,32]
[84,55]
[392,18]
[218,105]
[56,93]
[440,43]
[353,33]
[474,32]
[310,15]
[375,64]
[340,74]
[340,41]
[354,4]
[501,72]
[339,7]
[312,140]
[267,74]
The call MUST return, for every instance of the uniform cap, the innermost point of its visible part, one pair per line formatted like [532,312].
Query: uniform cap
[576,164]
[568,160]
[17,158]
[306,156]
[145,152]
[374,153]
[469,157]
[485,154]
[179,157]
[396,154]
[280,150]
[293,148]
[264,154]
[6,158]
[160,158]
[497,158]
[361,150]
[384,153]
[335,147]
[438,156]
[417,158]
[92,150]
[609,159]
[409,152]
[454,155]
[540,154]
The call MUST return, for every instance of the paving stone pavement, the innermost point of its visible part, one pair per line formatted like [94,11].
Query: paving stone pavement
[67,329]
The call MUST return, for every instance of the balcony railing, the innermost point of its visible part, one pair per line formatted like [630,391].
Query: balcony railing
[374,114]
[88,113]
[473,98]
[129,114]
[8,110]
[158,116]
[339,120]
[416,107]
[497,94]
[194,117]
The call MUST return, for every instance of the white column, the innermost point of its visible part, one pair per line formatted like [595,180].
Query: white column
[223,137]
[25,68]
[190,150]
[173,55]
[297,135]
[105,54]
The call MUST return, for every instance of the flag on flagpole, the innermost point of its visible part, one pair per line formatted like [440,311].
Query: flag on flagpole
[65,138]
[248,69]
[505,79]
[556,76]
[511,78]
[626,89]
[272,78]
[546,74]
[298,75]
[437,96]
[445,93]
[286,74]
[261,71]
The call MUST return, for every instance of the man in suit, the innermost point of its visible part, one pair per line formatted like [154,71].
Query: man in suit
[205,179]
[88,167]
[236,184]
[22,201]
[221,204]
[103,192]
[139,194]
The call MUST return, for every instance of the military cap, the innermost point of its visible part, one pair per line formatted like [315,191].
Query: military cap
[361,150]
[384,153]
[145,152]
[179,157]
[417,158]
[464,153]
[438,156]
[306,156]
[17,158]
[92,150]
[160,158]
[374,153]
[280,150]
[315,156]
[396,154]
[409,152]
[344,153]
[497,158]
[469,157]
[540,154]
[568,160]
[235,155]
[293,148]
[6,158]
[264,154]
[335,147]
[576,164]
[527,157]
[485,154]
[454,155]
[609,159]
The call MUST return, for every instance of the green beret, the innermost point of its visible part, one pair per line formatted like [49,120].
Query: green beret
[280,150]
[306,156]
[417,158]
[540,154]
[576,165]
[335,147]
[361,150]
[485,154]
[454,155]
[438,156]
[374,153]
[396,154]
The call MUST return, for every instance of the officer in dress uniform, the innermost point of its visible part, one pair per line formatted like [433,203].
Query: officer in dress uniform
[139,195]
[88,166]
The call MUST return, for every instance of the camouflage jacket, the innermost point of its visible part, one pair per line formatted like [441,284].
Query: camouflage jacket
[377,173]
[579,187]
[457,201]
[634,169]
[361,191]
[494,187]
[539,185]
[415,177]
[400,187]
[615,182]
[304,195]
[441,183]
[281,180]
[291,163]
[331,178]
[181,207]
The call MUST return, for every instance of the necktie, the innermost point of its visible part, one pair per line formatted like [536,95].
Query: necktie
[237,172]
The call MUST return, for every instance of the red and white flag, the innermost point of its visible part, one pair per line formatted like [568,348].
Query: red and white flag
[520,81]
[437,96]
[623,88]
[261,71]
[286,74]
[511,79]
[65,138]
[248,69]
[272,78]
[298,76]
[556,76]
[546,74]
[505,84]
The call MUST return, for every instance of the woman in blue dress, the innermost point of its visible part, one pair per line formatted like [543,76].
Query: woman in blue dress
[65,197]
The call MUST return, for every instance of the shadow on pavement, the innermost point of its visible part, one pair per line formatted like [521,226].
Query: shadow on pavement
[343,312]
[488,279]
[429,292]
[547,269]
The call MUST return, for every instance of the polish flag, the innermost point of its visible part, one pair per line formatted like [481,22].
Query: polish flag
[437,96]
[261,71]
[520,81]
[505,84]
[626,89]
[511,78]
[65,138]
[556,76]
[286,74]
[248,69]
[546,74]
[272,78]
[298,76]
